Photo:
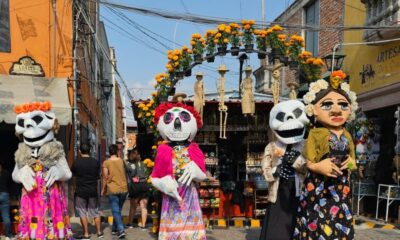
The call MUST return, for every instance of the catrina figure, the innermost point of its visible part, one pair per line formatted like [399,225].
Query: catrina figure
[324,210]
[284,167]
[41,168]
[178,164]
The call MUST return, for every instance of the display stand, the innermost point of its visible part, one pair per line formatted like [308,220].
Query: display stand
[260,202]
[389,192]
[209,194]
[361,190]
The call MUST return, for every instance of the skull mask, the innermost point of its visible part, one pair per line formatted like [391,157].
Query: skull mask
[36,127]
[177,124]
[288,121]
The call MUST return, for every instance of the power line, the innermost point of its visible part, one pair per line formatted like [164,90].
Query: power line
[129,35]
[214,20]
[105,52]
[135,25]
[149,30]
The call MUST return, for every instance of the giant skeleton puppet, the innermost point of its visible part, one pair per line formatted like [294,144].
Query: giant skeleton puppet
[283,168]
[178,163]
[41,168]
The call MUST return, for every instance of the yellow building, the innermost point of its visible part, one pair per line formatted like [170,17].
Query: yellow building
[374,69]
[373,63]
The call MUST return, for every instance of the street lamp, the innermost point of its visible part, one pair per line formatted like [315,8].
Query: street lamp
[107,88]
[242,57]
[334,62]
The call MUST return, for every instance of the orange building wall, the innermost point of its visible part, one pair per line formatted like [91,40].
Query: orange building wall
[31,34]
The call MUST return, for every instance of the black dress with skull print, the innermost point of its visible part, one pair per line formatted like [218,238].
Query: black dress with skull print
[324,211]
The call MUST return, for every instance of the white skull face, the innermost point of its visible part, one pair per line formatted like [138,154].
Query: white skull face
[288,121]
[177,124]
[36,127]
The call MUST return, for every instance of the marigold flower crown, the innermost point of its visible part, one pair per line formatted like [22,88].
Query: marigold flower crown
[33,106]
[335,83]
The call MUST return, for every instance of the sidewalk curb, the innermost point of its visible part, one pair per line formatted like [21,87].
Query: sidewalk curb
[374,224]
[257,223]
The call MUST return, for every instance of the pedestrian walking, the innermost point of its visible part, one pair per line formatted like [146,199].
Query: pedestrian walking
[87,173]
[5,180]
[115,187]
[142,190]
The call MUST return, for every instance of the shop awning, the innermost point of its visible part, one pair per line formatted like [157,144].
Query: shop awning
[16,90]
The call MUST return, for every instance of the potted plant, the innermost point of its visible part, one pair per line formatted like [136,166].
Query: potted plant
[234,38]
[222,38]
[261,42]
[210,44]
[248,37]
[198,44]
[276,40]
[311,67]
[294,48]
[186,60]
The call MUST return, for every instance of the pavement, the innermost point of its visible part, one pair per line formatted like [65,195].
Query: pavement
[243,233]
[365,229]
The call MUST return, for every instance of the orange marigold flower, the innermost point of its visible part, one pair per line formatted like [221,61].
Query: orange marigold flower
[247,27]
[244,22]
[46,106]
[318,61]
[310,60]
[18,109]
[185,48]
[226,40]
[252,22]
[339,74]
[282,37]
[277,28]
[192,43]
[221,27]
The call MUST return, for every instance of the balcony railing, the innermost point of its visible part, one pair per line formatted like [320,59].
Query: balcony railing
[385,14]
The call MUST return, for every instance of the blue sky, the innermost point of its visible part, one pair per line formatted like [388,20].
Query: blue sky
[138,63]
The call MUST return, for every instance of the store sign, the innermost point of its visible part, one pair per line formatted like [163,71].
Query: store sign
[367,73]
[26,66]
[388,54]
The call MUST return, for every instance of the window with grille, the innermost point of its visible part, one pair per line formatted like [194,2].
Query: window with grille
[312,20]
[5,45]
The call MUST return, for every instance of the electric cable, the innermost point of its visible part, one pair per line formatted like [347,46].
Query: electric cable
[214,20]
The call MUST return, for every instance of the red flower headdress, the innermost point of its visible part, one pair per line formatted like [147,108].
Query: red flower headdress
[33,106]
[164,107]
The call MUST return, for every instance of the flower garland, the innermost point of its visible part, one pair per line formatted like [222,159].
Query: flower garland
[321,84]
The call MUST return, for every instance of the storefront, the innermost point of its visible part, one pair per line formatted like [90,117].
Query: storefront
[237,187]
[374,76]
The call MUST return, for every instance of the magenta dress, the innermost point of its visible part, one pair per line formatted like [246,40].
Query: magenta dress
[43,212]
[185,220]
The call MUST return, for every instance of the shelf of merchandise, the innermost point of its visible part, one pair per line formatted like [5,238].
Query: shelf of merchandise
[210,211]
[260,202]
[390,193]
[361,190]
